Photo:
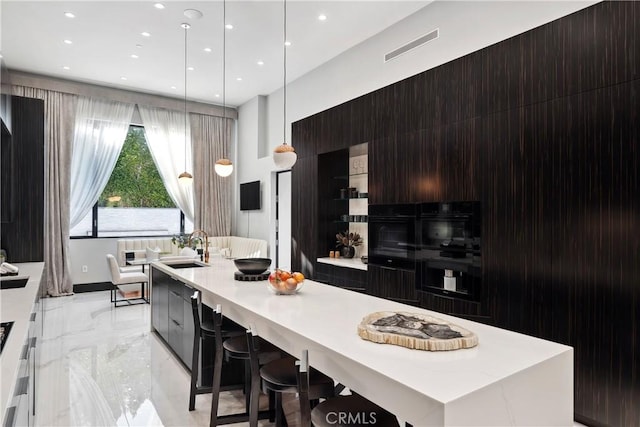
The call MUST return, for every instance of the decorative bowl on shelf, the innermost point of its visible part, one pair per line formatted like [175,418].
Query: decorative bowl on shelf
[282,282]
[252,265]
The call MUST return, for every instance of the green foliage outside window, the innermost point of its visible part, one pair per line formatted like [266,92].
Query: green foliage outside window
[135,181]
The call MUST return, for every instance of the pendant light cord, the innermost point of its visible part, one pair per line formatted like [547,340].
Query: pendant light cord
[284,73]
[186,28]
[224,78]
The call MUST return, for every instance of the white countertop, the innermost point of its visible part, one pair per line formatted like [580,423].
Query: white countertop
[508,379]
[344,262]
[16,306]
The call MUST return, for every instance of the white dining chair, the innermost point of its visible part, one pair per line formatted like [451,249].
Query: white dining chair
[125,282]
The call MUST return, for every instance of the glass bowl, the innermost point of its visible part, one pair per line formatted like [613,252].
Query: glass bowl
[285,283]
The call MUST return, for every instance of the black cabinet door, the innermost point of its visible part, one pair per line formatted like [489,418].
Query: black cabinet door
[160,302]
[188,332]
[176,317]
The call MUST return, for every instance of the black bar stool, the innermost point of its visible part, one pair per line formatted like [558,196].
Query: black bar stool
[205,329]
[281,376]
[237,348]
[341,411]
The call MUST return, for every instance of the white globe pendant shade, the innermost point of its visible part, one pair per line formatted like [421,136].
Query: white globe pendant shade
[185,178]
[223,167]
[284,156]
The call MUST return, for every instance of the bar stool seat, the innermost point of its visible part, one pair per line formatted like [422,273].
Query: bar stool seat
[238,349]
[281,376]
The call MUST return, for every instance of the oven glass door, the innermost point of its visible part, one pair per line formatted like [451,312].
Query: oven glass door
[392,241]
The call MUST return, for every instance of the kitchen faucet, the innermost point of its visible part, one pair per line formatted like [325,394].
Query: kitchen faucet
[197,233]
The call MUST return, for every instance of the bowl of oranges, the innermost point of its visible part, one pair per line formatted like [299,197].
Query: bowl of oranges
[283,282]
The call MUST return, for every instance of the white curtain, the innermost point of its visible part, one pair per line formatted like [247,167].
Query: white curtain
[170,146]
[100,130]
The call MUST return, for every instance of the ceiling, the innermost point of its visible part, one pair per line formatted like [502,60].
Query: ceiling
[104,35]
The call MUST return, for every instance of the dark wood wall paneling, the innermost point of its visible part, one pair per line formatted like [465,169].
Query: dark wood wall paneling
[23,236]
[304,219]
[544,129]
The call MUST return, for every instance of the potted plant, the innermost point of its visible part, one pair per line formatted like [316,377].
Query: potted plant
[184,241]
[347,241]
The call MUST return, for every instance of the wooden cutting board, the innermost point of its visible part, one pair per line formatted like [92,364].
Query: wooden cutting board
[417,331]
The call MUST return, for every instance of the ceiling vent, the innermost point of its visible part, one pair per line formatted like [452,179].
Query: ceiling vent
[412,45]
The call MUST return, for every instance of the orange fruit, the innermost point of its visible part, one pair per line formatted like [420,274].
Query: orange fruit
[298,276]
[291,284]
[284,275]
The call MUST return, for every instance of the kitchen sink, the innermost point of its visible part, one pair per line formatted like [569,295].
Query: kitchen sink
[185,265]
[13,283]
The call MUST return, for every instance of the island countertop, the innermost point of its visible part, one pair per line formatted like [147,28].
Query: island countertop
[507,379]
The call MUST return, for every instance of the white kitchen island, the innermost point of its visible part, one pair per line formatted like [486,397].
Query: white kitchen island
[508,379]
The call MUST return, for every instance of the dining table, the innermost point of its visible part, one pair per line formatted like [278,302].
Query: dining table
[508,378]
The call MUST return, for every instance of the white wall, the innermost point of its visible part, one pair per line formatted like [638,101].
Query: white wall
[465,27]
[93,254]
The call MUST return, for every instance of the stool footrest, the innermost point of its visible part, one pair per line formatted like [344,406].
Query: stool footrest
[240,418]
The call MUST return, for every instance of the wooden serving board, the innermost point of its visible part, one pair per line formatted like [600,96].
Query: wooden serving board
[415,331]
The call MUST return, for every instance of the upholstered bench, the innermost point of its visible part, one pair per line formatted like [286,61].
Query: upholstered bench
[137,248]
[239,247]
[234,246]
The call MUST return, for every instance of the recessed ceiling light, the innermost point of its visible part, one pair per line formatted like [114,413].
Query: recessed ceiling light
[229,26]
[69,15]
[66,68]
[322,17]
[217,95]
[173,87]
[158,6]
[260,62]
[287,43]
[68,42]
[207,49]
[134,56]
[239,79]
[146,34]
[190,68]
[123,78]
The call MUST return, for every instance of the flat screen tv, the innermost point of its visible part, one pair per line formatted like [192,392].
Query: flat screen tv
[250,196]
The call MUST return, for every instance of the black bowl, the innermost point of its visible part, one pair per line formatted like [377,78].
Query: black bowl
[252,265]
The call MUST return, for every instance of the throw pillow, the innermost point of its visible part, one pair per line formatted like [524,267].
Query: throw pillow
[189,252]
[153,254]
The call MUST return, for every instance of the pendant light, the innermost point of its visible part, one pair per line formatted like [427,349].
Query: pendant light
[185,177]
[223,166]
[284,156]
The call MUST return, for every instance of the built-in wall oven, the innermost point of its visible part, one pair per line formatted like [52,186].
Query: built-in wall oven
[392,235]
[449,258]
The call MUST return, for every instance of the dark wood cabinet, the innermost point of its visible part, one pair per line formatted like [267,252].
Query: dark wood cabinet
[391,283]
[543,130]
[172,315]
[160,302]
[347,278]
[22,229]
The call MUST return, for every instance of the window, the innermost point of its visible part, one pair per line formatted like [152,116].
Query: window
[135,201]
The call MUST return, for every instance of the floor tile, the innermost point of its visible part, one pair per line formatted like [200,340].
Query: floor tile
[102,366]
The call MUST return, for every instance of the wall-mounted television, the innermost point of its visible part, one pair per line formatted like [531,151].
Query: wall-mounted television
[250,196]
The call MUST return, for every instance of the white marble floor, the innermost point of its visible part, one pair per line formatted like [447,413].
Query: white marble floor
[101,366]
